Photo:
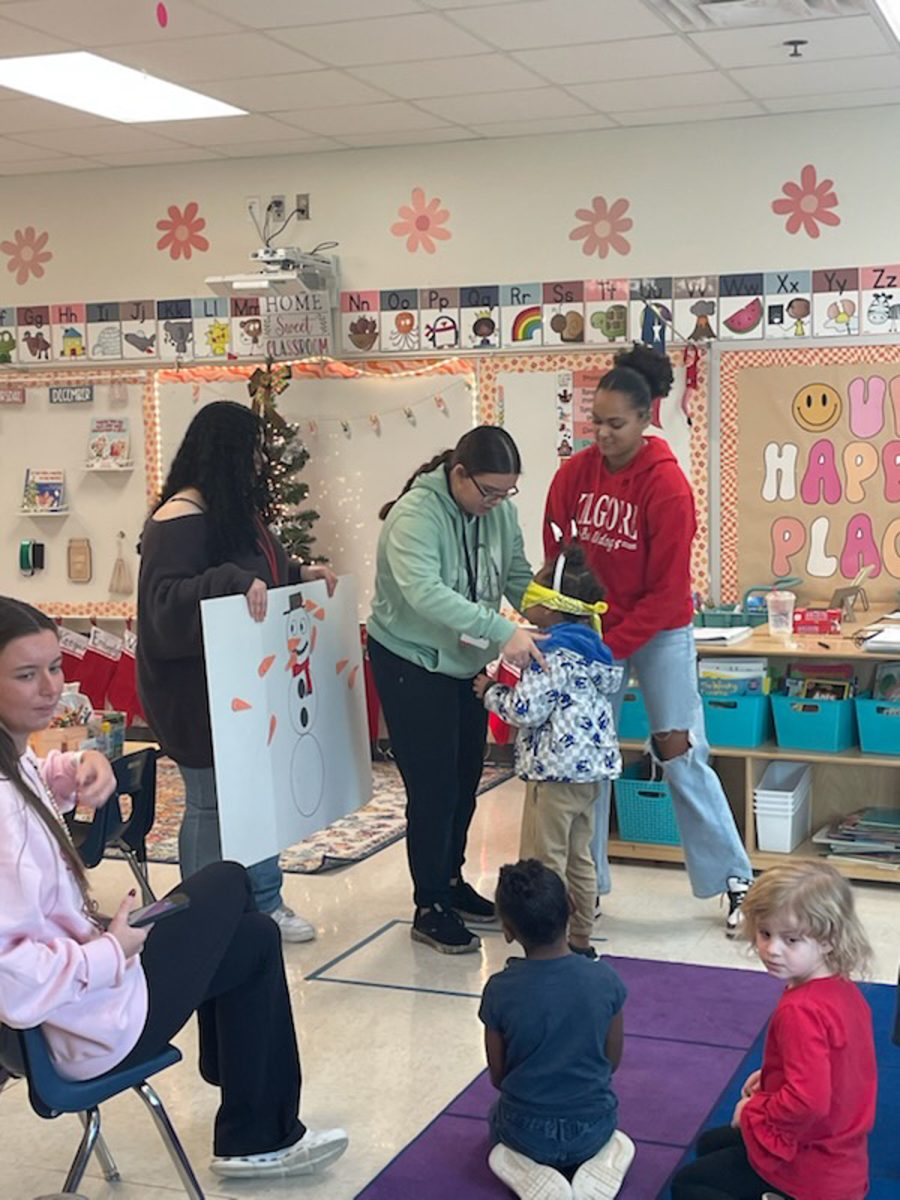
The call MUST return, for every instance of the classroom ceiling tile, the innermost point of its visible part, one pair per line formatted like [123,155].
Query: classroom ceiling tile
[27,113]
[834,100]
[706,87]
[408,137]
[370,118]
[232,56]
[506,106]
[13,151]
[799,79]
[17,40]
[503,129]
[221,130]
[385,39]
[148,158]
[273,14]
[763,45]
[107,22]
[450,76]
[685,114]
[634,58]
[312,89]
[48,166]
[111,136]
[559,22]
[295,145]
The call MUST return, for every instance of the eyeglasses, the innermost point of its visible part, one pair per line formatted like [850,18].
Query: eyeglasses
[494,493]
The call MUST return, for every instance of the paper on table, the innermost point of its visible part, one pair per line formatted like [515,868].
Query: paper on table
[724,636]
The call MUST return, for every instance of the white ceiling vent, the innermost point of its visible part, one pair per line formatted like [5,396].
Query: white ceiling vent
[693,15]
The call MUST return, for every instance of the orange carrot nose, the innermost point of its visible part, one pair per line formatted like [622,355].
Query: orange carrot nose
[293,643]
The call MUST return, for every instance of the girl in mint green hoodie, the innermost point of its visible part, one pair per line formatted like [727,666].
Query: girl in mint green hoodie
[450,550]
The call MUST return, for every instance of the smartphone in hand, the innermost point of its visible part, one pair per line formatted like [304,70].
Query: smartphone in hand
[177,902]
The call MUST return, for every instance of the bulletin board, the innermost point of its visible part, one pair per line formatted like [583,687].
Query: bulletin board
[38,433]
[522,392]
[810,468]
[367,427]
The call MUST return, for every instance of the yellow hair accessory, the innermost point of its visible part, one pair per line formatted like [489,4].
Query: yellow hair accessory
[536,593]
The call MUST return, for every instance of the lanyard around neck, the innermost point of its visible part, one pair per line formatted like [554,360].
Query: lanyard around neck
[471,567]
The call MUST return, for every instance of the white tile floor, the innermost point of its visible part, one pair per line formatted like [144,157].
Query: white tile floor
[388,1030]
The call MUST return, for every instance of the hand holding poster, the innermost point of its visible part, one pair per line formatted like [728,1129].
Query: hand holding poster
[287,708]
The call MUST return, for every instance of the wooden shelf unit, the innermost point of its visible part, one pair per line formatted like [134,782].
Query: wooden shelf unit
[835,791]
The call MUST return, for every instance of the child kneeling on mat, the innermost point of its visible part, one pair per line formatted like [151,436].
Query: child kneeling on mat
[800,1128]
[553,1037]
[567,741]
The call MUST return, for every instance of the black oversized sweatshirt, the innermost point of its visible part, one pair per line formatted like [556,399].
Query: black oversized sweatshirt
[177,572]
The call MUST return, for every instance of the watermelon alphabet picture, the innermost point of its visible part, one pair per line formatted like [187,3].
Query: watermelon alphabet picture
[741,306]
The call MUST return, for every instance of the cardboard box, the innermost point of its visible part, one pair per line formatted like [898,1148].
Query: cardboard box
[70,738]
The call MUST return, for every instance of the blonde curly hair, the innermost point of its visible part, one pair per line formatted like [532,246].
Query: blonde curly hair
[820,902]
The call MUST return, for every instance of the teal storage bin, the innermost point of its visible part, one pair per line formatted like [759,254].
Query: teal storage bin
[744,721]
[879,725]
[644,809]
[633,722]
[824,725]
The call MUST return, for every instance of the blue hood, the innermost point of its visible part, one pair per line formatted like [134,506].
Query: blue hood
[580,639]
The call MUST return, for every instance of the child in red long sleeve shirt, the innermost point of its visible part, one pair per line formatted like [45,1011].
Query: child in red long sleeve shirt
[801,1126]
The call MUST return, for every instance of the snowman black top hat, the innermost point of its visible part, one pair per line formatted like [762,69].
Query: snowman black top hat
[294,602]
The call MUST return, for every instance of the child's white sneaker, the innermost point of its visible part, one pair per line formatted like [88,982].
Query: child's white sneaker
[529,1180]
[308,1154]
[601,1177]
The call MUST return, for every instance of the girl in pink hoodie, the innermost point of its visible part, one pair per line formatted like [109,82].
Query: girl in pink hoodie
[106,994]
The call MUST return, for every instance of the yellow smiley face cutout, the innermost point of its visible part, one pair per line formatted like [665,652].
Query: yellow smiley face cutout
[817,407]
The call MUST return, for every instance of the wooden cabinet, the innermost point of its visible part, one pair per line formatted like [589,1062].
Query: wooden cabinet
[841,781]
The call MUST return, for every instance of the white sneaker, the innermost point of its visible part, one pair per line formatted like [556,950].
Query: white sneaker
[601,1177]
[737,890]
[529,1180]
[293,928]
[312,1152]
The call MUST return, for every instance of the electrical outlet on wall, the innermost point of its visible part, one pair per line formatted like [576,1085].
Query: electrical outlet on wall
[302,206]
[252,210]
[276,208]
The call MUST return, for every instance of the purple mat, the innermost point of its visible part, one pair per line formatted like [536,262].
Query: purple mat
[687,1031]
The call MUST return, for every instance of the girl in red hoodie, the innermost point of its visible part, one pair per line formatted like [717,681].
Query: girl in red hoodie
[801,1126]
[634,511]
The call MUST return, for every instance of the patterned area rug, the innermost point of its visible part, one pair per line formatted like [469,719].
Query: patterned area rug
[349,840]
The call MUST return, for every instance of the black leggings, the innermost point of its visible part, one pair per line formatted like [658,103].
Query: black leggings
[721,1171]
[438,728]
[222,959]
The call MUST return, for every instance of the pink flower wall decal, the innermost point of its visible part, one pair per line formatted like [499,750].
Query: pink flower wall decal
[421,223]
[807,204]
[27,254]
[181,232]
[603,227]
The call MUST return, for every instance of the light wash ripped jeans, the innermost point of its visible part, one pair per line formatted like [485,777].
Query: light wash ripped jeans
[666,668]
[199,844]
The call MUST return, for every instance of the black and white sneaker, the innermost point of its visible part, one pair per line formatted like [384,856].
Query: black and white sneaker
[466,902]
[442,930]
[737,890]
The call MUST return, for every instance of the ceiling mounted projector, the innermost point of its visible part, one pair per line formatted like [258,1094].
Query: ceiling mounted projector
[285,271]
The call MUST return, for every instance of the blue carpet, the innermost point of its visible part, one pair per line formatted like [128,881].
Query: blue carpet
[884,1144]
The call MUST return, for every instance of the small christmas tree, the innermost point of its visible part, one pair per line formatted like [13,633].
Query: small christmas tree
[287,457]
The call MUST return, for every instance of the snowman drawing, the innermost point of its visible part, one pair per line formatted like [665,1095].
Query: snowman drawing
[307,763]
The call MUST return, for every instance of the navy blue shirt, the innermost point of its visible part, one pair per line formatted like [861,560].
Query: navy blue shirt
[553,1015]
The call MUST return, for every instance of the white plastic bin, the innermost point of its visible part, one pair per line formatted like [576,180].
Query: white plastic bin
[783,806]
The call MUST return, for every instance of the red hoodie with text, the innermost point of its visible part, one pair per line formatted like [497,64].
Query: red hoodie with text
[636,526]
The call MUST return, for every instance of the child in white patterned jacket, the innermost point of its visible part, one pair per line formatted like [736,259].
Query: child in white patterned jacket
[567,741]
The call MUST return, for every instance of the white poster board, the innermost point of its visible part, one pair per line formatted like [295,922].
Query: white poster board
[288,714]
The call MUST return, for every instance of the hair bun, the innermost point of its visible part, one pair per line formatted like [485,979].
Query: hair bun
[652,365]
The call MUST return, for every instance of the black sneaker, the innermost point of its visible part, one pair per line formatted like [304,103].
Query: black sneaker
[584,951]
[468,904]
[442,930]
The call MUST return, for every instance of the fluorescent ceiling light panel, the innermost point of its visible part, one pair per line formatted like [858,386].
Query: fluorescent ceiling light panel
[890,10]
[108,89]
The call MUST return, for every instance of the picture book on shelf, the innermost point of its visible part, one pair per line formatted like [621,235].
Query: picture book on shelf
[887,681]
[109,444]
[44,492]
